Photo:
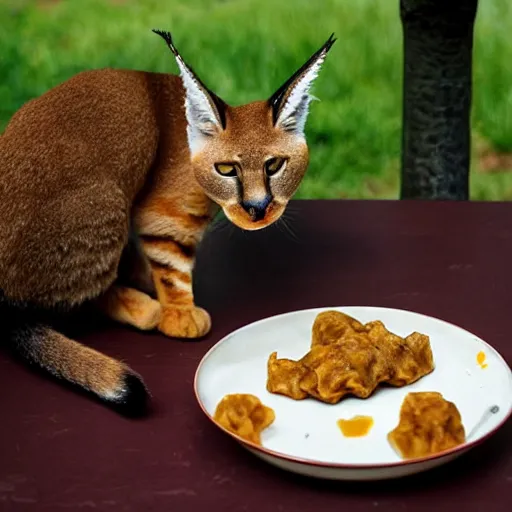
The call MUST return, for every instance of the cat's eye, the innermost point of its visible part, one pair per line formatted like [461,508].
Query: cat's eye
[227,170]
[274,165]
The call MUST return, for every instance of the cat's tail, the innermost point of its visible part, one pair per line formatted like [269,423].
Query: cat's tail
[110,380]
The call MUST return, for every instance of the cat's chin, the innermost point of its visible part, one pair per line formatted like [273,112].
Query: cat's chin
[240,218]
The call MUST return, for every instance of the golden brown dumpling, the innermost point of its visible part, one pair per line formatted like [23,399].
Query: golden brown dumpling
[331,326]
[428,424]
[285,377]
[349,358]
[244,415]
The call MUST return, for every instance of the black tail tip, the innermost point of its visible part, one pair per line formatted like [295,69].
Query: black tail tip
[133,400]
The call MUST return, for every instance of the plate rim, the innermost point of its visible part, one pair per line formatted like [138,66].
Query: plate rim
[338,465]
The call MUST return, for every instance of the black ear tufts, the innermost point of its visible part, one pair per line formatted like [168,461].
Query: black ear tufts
[276,100]
[219,104]
[167,37]
[330,42]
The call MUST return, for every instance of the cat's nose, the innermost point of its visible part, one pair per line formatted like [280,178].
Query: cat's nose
[256,209]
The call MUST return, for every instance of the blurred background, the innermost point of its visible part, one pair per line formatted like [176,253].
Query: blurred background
[245,49]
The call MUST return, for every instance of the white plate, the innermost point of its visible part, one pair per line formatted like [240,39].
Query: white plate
[304,437]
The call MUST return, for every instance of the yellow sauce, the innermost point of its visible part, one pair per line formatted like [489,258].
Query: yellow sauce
[480,359]
[358,426]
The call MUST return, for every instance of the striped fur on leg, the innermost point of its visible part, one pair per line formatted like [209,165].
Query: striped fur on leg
[172,263]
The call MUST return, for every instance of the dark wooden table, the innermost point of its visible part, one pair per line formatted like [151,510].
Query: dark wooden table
[59,451]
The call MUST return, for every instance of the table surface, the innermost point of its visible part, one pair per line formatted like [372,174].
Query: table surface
[60,451]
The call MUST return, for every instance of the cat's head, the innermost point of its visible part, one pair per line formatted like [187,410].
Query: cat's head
[249,159]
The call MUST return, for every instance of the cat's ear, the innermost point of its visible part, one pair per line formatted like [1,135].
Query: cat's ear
[290,103]
[205,111]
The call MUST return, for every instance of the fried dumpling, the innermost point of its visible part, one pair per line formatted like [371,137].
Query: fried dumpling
[428,424]
[244,415]
[349,358]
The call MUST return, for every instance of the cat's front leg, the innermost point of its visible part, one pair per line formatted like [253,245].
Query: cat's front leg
[172,263]
[169,244]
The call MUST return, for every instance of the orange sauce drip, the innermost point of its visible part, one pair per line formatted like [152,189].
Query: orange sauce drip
[480,359]
[358,426]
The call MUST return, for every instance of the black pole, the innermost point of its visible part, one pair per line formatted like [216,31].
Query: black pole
[438,44]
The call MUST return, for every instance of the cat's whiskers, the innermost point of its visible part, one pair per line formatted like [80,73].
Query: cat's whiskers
[219,225]
[292,210]
[286,228]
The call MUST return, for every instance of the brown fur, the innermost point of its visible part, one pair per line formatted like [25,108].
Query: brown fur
[81,365]
[103,156]
[72,162]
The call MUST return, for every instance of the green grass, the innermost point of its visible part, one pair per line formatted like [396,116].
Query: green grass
[244,49]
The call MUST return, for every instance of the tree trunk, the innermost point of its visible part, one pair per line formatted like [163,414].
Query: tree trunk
[438,44]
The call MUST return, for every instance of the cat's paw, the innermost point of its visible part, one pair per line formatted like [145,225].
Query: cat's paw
[132,307]
[148,316]
[185,322]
